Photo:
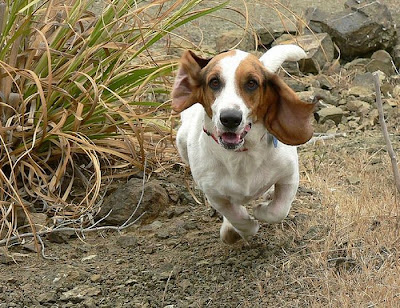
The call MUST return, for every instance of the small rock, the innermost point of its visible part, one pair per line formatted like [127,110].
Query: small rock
[179,211]
[127,241]
[396,56]
[268,33]
[173,193]
[365,80]
[47,297]
[381,61]
[39,219]
[358,64]
[88,258]
[390,103]
[80,293]
[153,226]
[5,258]
[396,91]
[325,95]
[353,180]
[124,201]
[362,92]
[162,234]
[331,113]
[95,278]
[358,106]
[237,39]
[325,82]
[31,247]
[60,237]
[305,96]
[319,49]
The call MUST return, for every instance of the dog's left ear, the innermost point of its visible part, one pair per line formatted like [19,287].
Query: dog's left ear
[187,81]
[287,117]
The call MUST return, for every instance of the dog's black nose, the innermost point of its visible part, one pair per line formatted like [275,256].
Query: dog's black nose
[231,118]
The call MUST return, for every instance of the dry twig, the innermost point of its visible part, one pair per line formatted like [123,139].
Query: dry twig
[389,147]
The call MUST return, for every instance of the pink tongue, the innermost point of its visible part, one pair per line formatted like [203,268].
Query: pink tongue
[230,138]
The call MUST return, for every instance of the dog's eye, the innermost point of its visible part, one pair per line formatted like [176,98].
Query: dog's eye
[215,83]
[251,85]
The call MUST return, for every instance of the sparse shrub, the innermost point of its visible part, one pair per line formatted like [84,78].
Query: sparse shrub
[78,101]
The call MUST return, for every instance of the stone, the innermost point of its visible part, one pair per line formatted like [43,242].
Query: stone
[358,64]
[305,96]
[359,107]
[119,206]
[127,241]
[39,219]
[381,61]
[268,33]
[365,80]
[396,56]
[47,297]
[396,91]
[95,278]
[326,83]
[60,237]
[237,39]
[5,258]
[325,96]
[80,293]
[330,113]
[360,29]
[319,49]
[296,85]
[362,92]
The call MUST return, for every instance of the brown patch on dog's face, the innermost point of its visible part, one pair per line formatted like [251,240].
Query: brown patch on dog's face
[212,82]
[272,101]
[252,82]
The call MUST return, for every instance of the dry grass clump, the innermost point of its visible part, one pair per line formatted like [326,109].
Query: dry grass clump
[351,245]
[80,102]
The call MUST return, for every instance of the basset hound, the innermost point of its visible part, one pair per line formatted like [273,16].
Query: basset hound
[240,126]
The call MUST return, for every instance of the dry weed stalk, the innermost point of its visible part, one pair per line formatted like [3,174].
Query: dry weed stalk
[385,132]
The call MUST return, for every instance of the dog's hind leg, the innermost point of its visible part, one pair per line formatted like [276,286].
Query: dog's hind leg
[277,210]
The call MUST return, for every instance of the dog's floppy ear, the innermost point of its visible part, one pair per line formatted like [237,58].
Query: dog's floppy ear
[187,81]
[287,117]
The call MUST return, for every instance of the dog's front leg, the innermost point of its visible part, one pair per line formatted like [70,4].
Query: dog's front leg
[277,210]
[237,222]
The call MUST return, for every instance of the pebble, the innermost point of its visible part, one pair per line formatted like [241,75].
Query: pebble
[127,241]
[95,278]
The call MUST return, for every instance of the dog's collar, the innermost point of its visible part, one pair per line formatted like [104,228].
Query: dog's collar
[275,141]
[216,140]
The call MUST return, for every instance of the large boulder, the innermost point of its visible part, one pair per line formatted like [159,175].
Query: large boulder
[360,29]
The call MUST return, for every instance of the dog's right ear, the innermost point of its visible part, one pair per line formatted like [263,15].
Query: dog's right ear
[187,82]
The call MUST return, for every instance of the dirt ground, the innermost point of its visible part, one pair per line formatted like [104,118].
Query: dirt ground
[339,246]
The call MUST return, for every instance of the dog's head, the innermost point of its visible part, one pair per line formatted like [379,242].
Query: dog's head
[237,90]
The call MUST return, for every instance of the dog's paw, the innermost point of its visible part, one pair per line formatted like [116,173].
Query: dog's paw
[230,235]
[268,213]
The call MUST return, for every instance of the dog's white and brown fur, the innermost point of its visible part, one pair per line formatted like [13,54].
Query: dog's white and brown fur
[233,107]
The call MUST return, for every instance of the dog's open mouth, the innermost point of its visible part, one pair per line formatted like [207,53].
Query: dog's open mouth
[233,141]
